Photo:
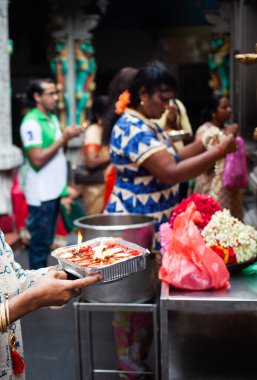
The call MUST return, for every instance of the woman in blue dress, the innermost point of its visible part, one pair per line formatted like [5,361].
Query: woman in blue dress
[148,167]
[148,171]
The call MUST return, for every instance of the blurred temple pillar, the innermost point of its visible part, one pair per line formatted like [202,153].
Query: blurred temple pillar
[219,48]
[249,59]
[244,16]
[10,155]
[237,19]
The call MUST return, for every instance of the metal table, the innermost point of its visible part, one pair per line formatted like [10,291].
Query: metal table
[87,308]
[210,334]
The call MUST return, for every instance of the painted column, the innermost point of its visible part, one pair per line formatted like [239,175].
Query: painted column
[219,54]
[72,61]
[10,156]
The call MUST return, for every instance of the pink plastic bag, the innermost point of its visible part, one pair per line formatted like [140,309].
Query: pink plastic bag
[189,263]
[235,175]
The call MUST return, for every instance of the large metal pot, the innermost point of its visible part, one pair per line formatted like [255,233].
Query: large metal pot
[138,229]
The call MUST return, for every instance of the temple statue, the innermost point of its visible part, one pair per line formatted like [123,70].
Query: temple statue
[219,55]
[58,59]
[218,61]
[85,66]
[72,56]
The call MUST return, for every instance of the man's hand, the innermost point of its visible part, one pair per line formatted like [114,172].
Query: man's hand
[71,132]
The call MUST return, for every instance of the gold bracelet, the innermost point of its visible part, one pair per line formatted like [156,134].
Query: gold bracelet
[7,313]
[5,322]
[3,318]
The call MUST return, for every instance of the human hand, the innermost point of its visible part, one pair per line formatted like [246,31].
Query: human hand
[67,202]
[232,129]
[228,144]
[171,120]
[71,132]
[54,289]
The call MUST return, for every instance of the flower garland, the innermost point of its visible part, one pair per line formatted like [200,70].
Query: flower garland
[212,137]
[206,205]
[122,103]
[231,239]
[226,232]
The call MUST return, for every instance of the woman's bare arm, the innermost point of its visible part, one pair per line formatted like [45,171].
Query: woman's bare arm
[163,167]
[191,150]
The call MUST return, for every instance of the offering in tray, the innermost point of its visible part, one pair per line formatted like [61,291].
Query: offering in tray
[97,255]
[114,258]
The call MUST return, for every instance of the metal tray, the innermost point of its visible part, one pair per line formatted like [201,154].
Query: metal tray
[110,272]
[178,135]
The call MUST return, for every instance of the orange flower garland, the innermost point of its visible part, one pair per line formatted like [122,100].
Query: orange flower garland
[122,103]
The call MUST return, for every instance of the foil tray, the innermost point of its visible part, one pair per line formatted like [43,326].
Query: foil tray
[110,272]
[178,135]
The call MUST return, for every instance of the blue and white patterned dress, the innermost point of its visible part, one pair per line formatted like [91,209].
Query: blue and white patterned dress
[134,139]
[17,280]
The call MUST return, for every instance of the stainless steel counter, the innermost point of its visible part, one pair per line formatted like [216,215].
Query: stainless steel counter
[210,334]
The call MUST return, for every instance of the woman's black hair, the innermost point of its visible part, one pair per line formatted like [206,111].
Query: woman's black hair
[151,77]
[99,107]
[35,86]
[120,82]
[206,113]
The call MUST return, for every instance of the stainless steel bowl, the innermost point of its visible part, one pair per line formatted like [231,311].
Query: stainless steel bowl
[138,229]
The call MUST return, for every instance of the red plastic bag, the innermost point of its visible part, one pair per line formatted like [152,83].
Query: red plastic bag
[189,263]
[235,175]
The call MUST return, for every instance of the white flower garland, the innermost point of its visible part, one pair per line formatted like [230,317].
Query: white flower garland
[212,137]
[227,231]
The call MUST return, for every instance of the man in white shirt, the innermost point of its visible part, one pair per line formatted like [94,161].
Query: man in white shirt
[46,177]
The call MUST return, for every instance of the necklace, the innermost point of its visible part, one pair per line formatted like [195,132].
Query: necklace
[18,364]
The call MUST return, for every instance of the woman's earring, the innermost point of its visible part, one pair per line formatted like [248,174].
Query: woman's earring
[142,102]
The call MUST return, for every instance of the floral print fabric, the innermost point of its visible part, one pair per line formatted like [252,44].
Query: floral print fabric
[17,279]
